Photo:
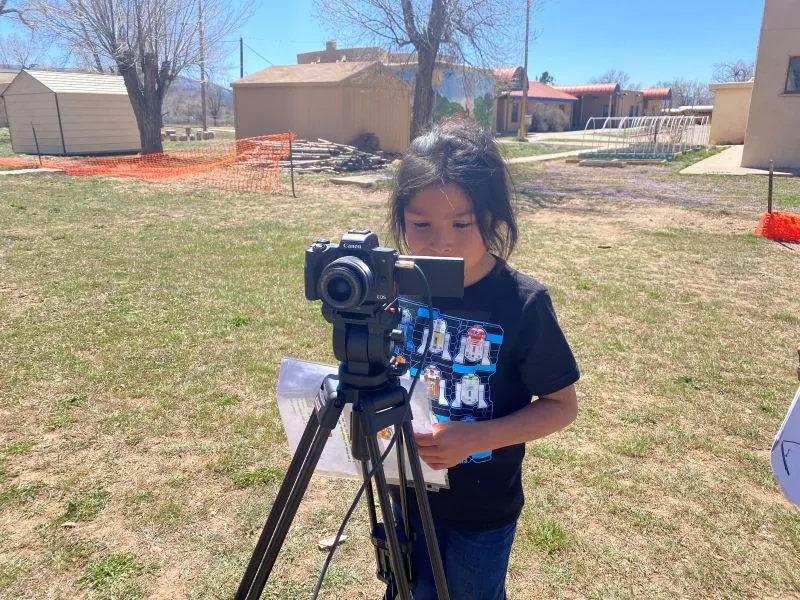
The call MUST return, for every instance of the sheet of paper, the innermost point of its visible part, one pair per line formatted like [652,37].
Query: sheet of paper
[785,456]
[298,385]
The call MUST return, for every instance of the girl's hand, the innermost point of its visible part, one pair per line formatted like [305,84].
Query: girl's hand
[447,445]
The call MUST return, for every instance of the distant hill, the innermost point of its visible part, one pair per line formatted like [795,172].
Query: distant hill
[182,103]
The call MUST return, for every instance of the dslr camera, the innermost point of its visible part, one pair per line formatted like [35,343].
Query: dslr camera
[358,275]
[352,273]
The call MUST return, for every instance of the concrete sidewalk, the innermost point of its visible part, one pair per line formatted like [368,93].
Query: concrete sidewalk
[728,162]
[546,157]
[41,171]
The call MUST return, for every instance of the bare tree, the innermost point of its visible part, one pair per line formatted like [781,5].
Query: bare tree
[24,50]
[733,71]
[191,111]
[215,103]
[614,76]
[148,42]
[472,32]
[688,93]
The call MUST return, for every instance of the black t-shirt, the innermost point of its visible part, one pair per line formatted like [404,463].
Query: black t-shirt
[491,352]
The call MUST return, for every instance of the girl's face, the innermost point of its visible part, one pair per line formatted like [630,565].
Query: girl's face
[440,221]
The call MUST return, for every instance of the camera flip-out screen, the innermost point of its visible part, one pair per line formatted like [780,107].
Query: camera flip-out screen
[445,276]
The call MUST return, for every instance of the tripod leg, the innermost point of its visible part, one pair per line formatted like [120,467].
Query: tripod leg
[425,513]
[285,506]
[398,566]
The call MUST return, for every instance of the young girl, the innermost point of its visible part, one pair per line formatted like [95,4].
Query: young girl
[500,372]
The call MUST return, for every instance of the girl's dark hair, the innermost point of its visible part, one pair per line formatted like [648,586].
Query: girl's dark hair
[462,154]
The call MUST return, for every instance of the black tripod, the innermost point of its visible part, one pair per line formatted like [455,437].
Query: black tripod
[369,381]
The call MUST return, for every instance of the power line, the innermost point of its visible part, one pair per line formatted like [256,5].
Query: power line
[276,41]
[258,55]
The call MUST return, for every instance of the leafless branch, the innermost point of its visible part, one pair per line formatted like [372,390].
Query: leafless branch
[737,71]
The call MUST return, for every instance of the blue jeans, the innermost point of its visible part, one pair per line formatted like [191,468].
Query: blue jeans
[475,562]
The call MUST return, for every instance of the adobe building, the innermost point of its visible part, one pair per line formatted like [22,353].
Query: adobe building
[459,89]
[333,101]
[773,126]
[731,111]
[655,101]
[540,96]
[594,100]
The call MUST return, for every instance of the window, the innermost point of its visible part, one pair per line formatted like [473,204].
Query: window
[605,110]
[793,77]
[515,112]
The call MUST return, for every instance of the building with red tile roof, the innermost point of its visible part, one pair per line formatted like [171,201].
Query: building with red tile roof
[542,99]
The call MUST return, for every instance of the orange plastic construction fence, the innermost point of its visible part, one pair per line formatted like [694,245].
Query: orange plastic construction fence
[248,164]
[779,226]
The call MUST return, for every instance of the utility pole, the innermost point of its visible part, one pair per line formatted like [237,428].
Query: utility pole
[523,130]
[202,66]
[241,58]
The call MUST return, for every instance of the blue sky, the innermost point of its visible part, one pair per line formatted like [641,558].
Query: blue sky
[578,39]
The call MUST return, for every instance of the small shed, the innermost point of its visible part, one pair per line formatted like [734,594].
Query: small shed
[5,79]
[333,101]
[71,114]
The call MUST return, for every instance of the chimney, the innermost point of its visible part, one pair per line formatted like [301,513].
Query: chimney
[330,46]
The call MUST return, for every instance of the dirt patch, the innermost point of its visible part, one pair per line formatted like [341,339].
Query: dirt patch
[14,301]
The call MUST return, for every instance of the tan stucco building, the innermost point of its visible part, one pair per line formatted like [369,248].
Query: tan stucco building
[731,110]
[333,101]
[542,98]
[773,126]
[70,113]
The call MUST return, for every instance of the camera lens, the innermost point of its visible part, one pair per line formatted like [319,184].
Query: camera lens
[345,283]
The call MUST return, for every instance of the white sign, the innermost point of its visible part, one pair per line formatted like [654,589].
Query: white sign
[298,386]
[786,453]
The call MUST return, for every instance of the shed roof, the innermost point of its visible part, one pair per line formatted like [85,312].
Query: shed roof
[6,77]
[79,83]
[542,91]
[592,88]
[314,73]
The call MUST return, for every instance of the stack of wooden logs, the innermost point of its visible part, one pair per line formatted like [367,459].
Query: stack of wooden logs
[173,136]
[323,156]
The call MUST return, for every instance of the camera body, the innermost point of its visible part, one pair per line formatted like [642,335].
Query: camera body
[352,274]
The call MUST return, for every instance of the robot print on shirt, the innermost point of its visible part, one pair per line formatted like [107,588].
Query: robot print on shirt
[462,357]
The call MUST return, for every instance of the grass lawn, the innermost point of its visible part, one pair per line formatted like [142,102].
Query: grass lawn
[141,327]
[689,158]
